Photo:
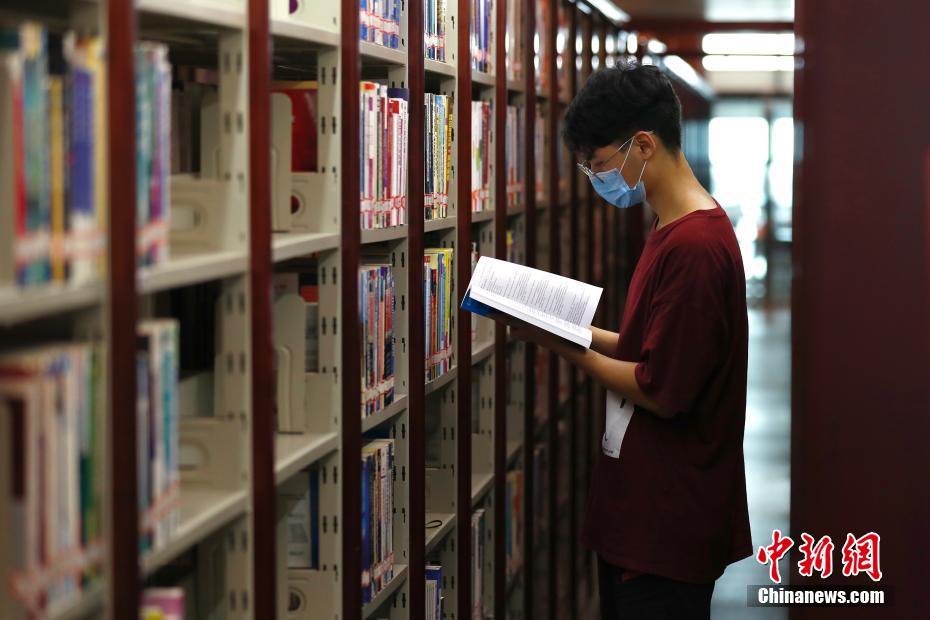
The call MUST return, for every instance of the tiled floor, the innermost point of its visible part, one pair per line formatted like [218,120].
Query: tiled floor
[767,448]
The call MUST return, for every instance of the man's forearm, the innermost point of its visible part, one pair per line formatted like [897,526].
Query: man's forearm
[604,341]
[616,375]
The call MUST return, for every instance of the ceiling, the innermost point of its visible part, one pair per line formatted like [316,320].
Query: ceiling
[711,10]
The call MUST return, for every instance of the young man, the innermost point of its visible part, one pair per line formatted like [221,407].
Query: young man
[667,509]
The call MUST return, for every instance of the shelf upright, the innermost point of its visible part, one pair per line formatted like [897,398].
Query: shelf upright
[500,330]
[588,268]
[264,491]
[350,249]
[123,576]
[607,213]
[529,362]
[416,390]
[463,505]
[574,411]
[553,203]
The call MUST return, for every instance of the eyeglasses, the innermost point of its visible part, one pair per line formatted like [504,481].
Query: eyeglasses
[586,165]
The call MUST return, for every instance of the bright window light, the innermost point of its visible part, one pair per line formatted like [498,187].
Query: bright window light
[656,47]
[761,43]
[610,10]
[681,68]
[749,63]
[632,43]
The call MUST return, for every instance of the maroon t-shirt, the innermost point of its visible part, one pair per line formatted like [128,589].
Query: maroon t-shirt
[674,502]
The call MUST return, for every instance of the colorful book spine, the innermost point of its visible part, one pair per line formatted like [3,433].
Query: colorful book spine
[380,22]
[434,29]
[376,309]
[480,35]
[377,517]
[481,155]
[433,592]
[383,155]
[437,308]
[49,402]
[514,155]
[514,40]
[438,150]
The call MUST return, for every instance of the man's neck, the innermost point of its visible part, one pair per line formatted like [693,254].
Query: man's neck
[674,191]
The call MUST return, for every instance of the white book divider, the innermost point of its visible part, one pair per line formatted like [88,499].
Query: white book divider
[289,329]
[314,592]
[280,162]
[323,399]
[317,194]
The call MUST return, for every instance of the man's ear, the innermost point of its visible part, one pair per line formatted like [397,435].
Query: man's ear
[647,145]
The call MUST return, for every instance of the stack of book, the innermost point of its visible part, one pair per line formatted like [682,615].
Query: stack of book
[477,561]
[438,149]
[51,412]
[52,417]
[377,517]
[53,182]
[379,22]
[515,155]
[157,370]
[434,29]
[433,592]
[513,522]
[514,40]
[383,155]
[437,310]
[376,317]
[482,16]
[481,155]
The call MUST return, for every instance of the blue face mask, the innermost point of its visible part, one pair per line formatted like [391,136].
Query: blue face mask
[613,187]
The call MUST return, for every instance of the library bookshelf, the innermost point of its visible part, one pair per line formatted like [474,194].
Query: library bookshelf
[497,424]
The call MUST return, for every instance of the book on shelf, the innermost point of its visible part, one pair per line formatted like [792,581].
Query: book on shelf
[53,183]
[437,310]
[515,157]
[376,317]
[434,29]
[162,604]
[539,152]
[380,22]
[383,155]
[551,302]
[481,155]
[433,592]
[438,150]
[377,517]
[51,412]
[482,16]
[513,521]
[542,59]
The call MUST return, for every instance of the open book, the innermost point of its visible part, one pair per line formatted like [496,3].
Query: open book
[551,302]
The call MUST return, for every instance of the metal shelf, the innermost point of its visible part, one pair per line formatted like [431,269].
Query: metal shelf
[294,453]
[201,11]
[18,305]
[481,350]
[385,415]
[439,68]
[372,53]
[293,245]
[482,78]
[379,235]
[400,576]
[298,31]
[439,383]
[482,216]
[445,223]
[192,269]
[203,512]
[434,535]
[480,485]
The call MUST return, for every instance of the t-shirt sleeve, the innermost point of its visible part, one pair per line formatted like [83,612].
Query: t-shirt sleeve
[686,331]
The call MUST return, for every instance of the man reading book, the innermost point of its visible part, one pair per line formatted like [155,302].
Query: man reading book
[667,509]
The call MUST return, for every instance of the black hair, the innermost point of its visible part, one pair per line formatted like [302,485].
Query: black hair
[618,101]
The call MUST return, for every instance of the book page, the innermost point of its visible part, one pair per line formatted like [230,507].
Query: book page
[538,291]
